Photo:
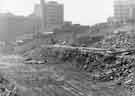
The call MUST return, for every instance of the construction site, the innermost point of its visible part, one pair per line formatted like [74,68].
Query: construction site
[72,60]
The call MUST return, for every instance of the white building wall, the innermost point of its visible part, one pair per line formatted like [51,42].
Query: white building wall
[54,14]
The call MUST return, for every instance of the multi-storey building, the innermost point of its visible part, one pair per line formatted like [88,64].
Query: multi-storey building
[51,13]
[124,10]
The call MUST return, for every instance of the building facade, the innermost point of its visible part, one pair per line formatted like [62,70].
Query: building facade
[124,10]
[51,13]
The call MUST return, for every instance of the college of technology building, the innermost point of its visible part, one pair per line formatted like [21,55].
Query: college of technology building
[124,10]
[51,14]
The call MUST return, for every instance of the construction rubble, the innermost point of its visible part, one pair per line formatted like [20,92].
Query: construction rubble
[116,67]
[120,39]
[112,61]
[7,88]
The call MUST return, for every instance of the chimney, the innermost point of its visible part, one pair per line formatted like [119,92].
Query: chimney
[43,12]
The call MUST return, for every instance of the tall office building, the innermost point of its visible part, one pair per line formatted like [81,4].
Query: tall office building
[124,10]
[51,13]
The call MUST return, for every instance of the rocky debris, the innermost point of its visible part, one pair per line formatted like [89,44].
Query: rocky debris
[103,67]
[60,79]
[115,68]
[7,88]
[121,39]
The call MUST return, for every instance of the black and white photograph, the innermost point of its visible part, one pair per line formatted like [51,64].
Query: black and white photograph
[67,47]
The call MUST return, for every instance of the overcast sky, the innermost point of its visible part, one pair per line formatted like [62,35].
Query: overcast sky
[78,11]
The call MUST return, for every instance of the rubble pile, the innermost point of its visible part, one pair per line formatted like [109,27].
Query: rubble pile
[103,67]
[7,88]
[121,39]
